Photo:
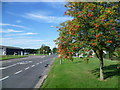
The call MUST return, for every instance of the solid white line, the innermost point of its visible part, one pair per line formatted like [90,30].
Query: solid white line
[32,65]
[2,68]
[26,68]
[4,78]
[18,72]
[8,66]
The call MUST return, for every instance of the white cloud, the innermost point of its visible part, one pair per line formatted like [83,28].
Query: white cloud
[18,21]
[57,5]
[21,34]
[25,42]
[33,0]
[38,40]
[9,31]
[48,19]
[18,40]
[51,26]
[29,33]
[3,24]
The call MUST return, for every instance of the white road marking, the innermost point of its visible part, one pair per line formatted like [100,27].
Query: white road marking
[32,65]
[24,62]
[42,56]
[4,78]
[37,63]
[2,68]
[18,72]
[27,68]
[29,61]
[8,66]
[8,61]
[40,62]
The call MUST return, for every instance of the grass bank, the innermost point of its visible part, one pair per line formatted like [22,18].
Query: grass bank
[78,74]
[6,57]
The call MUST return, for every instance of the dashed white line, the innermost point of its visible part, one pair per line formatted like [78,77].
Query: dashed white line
[4,78]
[18,72]
[32,65]
[27,68]
[37,63]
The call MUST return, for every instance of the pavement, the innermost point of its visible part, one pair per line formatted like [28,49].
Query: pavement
[24,72]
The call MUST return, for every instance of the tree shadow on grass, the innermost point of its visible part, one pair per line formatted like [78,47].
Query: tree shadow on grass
[77,62]
[109,71]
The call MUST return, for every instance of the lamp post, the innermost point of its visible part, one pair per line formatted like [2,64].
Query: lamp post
[43,51]
[60,60]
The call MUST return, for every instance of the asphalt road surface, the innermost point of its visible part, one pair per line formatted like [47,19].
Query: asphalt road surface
[24,72]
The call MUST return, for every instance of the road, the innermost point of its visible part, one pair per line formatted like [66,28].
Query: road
[24,72]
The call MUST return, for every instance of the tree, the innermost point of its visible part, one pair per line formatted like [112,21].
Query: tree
[44,49]
[95,26]
[54,50]
[30,51]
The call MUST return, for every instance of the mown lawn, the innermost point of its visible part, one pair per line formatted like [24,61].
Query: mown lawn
[78,74]
[6,57]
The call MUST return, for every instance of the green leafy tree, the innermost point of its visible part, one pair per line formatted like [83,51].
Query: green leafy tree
[44,49]
[54,50]
[95,26]
[30,51]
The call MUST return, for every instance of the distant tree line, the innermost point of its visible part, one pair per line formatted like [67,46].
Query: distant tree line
[42,50]
[30,51]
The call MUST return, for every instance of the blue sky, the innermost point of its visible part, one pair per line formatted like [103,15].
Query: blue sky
[31,24]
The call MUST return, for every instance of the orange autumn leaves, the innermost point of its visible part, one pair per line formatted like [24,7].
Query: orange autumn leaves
[109,41]
[93,26]
[98,35]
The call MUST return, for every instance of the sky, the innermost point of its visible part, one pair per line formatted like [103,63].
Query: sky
[31,24]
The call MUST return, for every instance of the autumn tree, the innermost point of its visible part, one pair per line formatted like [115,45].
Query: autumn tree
[95,26]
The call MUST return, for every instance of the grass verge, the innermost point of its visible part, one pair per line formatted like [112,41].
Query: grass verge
[6,57]
[78,74]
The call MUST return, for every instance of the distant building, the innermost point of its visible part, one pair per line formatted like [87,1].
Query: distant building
[8,50]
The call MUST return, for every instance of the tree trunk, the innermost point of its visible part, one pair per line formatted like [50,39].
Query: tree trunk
[101,70]
[110,55]
[101,66]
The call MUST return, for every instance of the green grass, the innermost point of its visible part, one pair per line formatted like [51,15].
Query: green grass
[6,57]
[78,74]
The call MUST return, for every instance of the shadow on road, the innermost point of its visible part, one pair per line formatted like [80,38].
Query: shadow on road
[109,71]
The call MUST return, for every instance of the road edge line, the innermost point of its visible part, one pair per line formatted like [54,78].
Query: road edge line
[42,80]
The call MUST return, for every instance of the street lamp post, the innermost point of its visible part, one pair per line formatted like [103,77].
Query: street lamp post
[43,51]
[60,60]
